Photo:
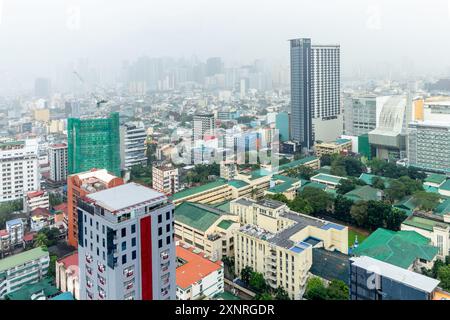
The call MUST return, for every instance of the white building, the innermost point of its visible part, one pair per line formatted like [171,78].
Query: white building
[58,157]
[132,145]
[126,245]
[360,114]
[197,276]
[19,169]
[37,199]
[204,124]
[23,268]
[165,179]
[67,277]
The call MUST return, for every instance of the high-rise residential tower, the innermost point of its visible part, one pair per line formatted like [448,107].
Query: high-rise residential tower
[301,122]
[94,143]
[126,245]
[204,124]
[57,156]
[132,145]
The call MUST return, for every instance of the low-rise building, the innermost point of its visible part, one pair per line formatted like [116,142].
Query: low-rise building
[207,228]
[67,277]
[372,279]
[21,269]
[338,146]
[330,181]
[198,277]
[37,199]
[41,218]
[165,179]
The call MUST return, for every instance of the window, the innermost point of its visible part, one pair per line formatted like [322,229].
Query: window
[160,243]
[133,228]
[168,215]
[133,242]
[133,255]
[159,231]
[124,232]
[124,246]
[168,240]
[159,218]
[124,259]
[168,228]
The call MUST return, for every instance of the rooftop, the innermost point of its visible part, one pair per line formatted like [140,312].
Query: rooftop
[445,186]
[27,291]
[436,178]
[237,183]
[399,248]
[205,187]
[296,163]
[327,178]
[412,279]
[195,267]
[196,215]
[125,196]
[365,193]
[424,222]
[330,265]
[21,258]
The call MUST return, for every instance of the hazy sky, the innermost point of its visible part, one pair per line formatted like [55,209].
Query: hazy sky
[37,35]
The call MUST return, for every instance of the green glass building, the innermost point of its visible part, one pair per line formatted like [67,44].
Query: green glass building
[94,143]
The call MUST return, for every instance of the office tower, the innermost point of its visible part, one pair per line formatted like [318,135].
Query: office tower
[214,66]
[57,157]
[282,125]
[327,123]
[301,122]
[78,186]
[165,179]
[371,279]
[429,145]
[19,169]
[132,146]
[360,114]
[204,124]
[94,143]
[126,245]
[42,88]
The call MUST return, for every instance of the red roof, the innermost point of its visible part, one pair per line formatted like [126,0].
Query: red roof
[28,237]
[71,260]
[196,267]
[40,212]
[61,207]
[3,232]
[34,194]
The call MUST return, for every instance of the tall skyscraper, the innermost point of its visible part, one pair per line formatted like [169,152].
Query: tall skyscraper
[79,185]
[301,123]
[126,245]
[204,124]
[315,92]
[94,143]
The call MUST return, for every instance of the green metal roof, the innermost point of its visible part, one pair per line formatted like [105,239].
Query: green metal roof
[225,206]
[199,189]
[342,141]
[327,177]
[237,183]
[225,224]
[259,173]
[443,208]
[430,189]
[445,186]
[287,183]
[365,193]
[421,223]
[368,179]
[313,185]
[399,248]
[436,178]
[196,215]
[25,292]
[21,258]
[296,163]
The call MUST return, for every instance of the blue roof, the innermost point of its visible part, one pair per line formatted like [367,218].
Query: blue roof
[299,247]
[14,222]
[63,296]
[332,226]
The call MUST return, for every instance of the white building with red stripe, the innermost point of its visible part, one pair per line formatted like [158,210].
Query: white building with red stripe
[126,246]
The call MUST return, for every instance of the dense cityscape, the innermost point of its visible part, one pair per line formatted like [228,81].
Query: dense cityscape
[177,178]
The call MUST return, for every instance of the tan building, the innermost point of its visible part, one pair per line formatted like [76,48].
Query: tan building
[279,243]
[338,146]
[165,179]
[67,279]
[42,115]
[207,228]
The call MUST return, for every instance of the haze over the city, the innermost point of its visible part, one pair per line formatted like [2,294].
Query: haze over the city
[39,38]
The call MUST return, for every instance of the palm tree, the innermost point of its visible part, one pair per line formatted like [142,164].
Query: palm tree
[41,240]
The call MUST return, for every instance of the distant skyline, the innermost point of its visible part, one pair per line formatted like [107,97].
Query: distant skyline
[39,37]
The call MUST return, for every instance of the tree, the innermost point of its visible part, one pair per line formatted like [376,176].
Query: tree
[55,199]
[278,197]
[411,185]
[301,205]
[319,200]
[263,296]
[342,208]
[315,289]
[281,294]
[246,274]
[395,191]
[258,282]
[52,265]
[395,219]
[443,274]
[359,213]
[51,234]
[425,200]
[338,290]
[41,240]
[325,160]
[378,183]
[345,185]
[377,214]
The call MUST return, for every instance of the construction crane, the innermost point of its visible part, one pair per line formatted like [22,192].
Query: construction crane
[98,101]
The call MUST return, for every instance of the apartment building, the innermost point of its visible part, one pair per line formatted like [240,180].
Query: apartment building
[37,199]
[206,228]
[78,186]
[278,242]
[21,269]
[126,248]
[58,159]
[19,169]
[132,145]
[165,179]
[67,276]
[198,277]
